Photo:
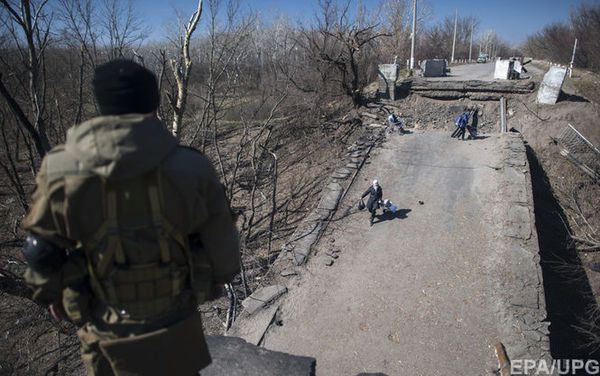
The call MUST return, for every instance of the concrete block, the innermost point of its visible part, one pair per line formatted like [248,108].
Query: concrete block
[388,75]
[433,68]
[340,175]
[344,170]
[551,85]
[253,329]
[233,356]
[502,70]
[262,297]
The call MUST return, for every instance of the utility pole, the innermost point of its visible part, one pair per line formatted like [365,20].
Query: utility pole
[454,40]
[471,43]
[572,59]
[413,36]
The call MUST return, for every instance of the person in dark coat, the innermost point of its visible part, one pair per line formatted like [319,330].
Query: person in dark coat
[473,127]
[375,194]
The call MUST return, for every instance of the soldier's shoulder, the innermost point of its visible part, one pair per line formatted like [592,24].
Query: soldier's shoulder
[58,162]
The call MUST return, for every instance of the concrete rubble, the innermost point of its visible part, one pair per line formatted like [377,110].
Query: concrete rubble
[253,330]
[233,356]
[263,297]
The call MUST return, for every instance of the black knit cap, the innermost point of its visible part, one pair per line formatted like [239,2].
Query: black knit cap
[122,87]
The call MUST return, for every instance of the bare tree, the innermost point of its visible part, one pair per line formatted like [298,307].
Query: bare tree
[437,40]
[397,22]
[121,27]
[29,27]
[80,27]
[182,66]
[340,44]
[8,164]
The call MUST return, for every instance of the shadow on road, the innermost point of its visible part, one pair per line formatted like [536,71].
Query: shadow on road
[569,298]
[388,216]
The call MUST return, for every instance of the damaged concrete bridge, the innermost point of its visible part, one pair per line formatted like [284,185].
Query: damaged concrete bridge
[429,290]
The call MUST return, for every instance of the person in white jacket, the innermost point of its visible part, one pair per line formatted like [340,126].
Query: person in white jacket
[389,206]
[395,122]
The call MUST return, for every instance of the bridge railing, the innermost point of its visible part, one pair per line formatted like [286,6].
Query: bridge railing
[579,150]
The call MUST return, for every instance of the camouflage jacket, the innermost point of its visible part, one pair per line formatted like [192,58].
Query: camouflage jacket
[122,151]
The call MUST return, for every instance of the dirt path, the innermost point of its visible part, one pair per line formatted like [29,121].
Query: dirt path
[411,295]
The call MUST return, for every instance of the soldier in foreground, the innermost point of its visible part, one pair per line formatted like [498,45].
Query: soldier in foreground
[128,233]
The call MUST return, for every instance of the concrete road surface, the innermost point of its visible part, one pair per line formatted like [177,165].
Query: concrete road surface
[413,294]
[480,71]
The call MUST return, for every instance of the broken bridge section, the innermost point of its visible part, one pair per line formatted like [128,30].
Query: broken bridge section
[431,289]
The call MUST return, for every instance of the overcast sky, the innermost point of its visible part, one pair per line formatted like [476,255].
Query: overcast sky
[513,20]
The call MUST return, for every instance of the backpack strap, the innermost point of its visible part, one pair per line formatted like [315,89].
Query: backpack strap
[159,222]
[163,227]
[113,241]
[114,249]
